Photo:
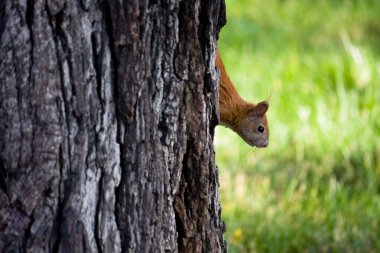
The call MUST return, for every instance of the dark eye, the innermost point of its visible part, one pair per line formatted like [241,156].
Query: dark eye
[261,129]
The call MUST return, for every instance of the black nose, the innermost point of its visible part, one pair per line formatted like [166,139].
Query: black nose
[261,129]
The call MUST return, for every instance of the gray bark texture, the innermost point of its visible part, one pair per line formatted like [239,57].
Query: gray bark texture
[107,111]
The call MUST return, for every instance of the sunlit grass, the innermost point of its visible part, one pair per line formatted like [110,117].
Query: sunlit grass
[316,187]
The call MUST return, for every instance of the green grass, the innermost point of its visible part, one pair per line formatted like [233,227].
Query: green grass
[316,188]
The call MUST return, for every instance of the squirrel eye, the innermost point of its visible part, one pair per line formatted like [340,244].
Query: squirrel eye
[261,129]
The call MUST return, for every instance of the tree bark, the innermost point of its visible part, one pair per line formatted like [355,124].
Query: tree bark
[107,111]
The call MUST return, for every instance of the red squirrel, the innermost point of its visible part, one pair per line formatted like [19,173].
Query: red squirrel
[244,118]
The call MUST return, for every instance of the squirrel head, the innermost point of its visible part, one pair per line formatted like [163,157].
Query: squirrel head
[253,125]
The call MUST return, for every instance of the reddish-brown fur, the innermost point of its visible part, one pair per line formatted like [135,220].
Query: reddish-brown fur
[235,113]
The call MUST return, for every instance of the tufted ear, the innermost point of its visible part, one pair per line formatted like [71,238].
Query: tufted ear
[261,108]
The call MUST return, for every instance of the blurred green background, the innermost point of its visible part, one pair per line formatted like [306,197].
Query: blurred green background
[316,188]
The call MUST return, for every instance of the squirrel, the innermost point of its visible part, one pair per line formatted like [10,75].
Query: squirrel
[246,119]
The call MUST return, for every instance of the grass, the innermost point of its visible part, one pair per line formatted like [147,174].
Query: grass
[316,188]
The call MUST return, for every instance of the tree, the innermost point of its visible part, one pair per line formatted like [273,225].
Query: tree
[107,111]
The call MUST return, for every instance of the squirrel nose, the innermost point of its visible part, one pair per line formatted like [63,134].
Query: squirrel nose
[264,144]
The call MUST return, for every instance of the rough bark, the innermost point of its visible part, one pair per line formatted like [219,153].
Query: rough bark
[107,111]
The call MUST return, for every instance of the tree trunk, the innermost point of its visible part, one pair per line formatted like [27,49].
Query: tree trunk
[107,111]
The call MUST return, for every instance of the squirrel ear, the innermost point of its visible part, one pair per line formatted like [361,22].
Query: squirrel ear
[261,108]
